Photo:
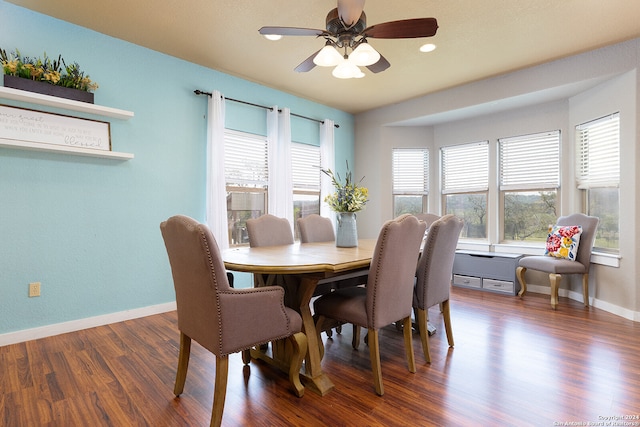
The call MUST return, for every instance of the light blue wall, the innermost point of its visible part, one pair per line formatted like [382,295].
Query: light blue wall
[88,228]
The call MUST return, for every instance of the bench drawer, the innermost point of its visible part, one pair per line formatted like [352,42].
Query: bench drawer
[468,281]
[498,286]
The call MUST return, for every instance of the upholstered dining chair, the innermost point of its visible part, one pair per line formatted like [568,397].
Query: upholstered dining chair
[269,230]
[433,276]
[388,295]
[315,228]
[428,218]
[222,319]
[557,267]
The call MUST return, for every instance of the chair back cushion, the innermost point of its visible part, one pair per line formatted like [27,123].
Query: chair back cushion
[315,228]
[435,267]
[269,230]
[198,276]
[392,271]
[589,225]
[428,218]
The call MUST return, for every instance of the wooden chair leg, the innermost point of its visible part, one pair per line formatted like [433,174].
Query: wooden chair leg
[374,355]
[446,314]
[421,318]
[355,338]
[299,345]
[183,364]
[246,356]
[555,280]
[523,285]
[319,324]
[408,344]
[585,289]
[219,390]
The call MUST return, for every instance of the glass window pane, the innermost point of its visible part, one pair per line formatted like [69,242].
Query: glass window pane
[472,209]
[605,204]
[241,206]
[303,205]
[528,214]
[408,204]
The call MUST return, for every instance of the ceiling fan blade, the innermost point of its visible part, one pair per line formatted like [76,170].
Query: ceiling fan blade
[307,64]
[291,31]
[403,29]
[379,66]
[349,11]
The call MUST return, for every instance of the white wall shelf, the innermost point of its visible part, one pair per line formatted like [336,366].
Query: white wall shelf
[37,146]
[67,104]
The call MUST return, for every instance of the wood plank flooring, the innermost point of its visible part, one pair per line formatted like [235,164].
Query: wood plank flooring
[516,362]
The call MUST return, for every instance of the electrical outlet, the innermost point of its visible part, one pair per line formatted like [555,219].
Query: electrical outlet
[34,289]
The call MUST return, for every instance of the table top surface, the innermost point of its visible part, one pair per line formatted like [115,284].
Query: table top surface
[322,257]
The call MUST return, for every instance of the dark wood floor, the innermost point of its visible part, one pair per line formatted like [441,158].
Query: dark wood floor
[516,363]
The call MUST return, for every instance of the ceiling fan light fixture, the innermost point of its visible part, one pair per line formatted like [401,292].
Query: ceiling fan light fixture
[364,55]
[429,47]
[327,57]
[347,70]
[272,37]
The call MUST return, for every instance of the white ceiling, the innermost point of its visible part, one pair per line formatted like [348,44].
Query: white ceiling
[476,39]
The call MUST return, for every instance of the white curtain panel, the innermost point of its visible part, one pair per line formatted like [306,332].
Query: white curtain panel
[216,214]
[327,161]
[280,178]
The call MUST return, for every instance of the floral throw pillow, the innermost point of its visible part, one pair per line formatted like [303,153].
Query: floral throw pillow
[563,241]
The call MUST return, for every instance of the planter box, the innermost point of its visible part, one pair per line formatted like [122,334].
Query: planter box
[47,89]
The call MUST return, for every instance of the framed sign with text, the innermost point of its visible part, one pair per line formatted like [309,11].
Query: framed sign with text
[38,127]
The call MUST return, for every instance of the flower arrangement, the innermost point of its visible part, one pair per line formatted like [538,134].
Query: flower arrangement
[55,72]
[348,197]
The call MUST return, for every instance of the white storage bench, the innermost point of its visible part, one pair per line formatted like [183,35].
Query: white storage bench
[487,271]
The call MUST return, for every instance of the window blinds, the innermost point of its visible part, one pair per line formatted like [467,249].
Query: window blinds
[465,168]
[410,171]
[530,162]
[598,148]
[245,159]
[305,164]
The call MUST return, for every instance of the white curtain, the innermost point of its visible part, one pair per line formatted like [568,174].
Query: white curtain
[216,214]
[280,179]
[327,161]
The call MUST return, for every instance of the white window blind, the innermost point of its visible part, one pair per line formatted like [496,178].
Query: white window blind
[410,171]
[530,161]
[598,147]
[305,164]
[465,168]
[245,159]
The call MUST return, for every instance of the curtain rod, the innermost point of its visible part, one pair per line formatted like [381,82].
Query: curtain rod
[200,92]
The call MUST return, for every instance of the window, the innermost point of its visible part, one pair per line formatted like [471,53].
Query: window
[410,180]
[598,177]
[305,163]
[246,176]
[465,184]
[529,183]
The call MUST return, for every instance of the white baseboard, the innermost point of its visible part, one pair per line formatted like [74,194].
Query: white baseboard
[577,296]
[89,322]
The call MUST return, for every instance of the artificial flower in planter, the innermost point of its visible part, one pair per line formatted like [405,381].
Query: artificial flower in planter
[44,75]
[348,199]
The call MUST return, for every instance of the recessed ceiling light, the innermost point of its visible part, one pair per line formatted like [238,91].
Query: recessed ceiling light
[429,47]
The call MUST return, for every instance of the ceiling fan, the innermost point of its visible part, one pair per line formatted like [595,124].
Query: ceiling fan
[347,30]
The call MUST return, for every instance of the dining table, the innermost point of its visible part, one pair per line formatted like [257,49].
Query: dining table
[300,268]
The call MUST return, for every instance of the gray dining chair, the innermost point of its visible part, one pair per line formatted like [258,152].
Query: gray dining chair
[428,218]
[388,295]
[269,230]
[557,267]
[433,276]
[216,315]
